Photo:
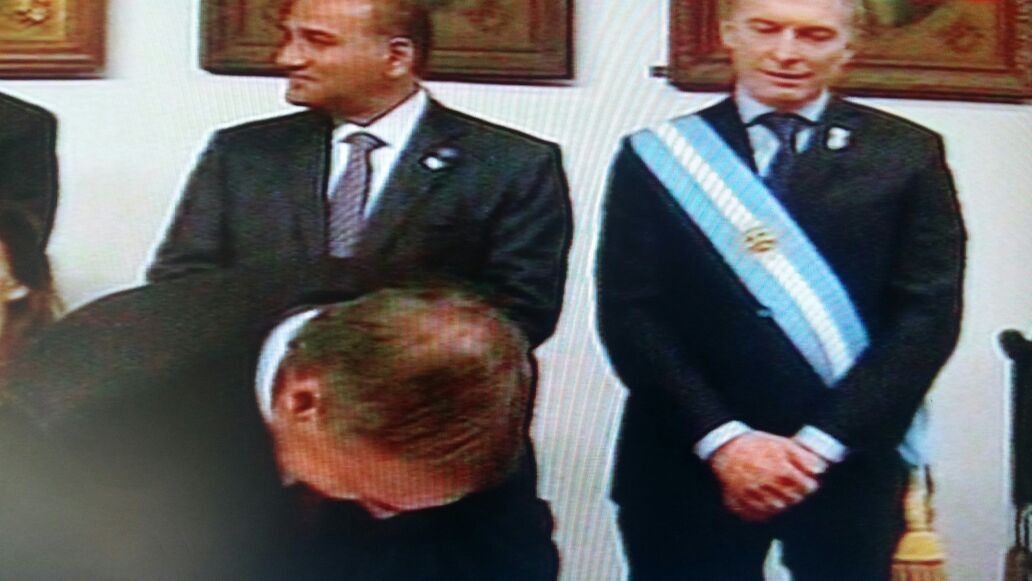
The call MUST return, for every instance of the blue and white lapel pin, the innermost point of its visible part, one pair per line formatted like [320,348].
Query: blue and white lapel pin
[838,138]
[440,158]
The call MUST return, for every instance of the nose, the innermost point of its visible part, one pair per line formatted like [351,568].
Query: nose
[289,56]
[786,50]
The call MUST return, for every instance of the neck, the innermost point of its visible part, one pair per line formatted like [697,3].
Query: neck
[381,105]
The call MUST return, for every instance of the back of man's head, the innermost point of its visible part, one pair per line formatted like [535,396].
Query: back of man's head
[434,378]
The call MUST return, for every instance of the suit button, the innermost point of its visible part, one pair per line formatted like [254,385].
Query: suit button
[764,313]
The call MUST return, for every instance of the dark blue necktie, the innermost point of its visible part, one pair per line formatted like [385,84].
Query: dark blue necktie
[786,126]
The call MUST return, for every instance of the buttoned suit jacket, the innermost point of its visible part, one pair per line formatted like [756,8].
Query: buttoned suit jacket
[28,160]
[696,349]
[466,200]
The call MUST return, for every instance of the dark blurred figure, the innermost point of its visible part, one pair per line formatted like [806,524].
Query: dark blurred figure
[27,299]
[28,161]
[136,446]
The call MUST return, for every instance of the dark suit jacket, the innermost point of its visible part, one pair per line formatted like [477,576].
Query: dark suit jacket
[149,458]
[496,216]
[133,448]
[696,349]
[28,160]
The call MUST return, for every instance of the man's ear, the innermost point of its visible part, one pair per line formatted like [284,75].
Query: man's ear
[299,397]
[401,55]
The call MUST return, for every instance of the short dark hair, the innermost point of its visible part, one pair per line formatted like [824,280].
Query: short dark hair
[407,19]
[20,241]
[429,375]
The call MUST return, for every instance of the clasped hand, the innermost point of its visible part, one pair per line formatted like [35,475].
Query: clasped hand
[762,475]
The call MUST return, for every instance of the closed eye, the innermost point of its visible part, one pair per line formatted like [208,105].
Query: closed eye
[764,26]
[816,34]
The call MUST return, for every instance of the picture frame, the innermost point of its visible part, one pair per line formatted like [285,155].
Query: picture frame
[489,40]
[934,49]
[52,38]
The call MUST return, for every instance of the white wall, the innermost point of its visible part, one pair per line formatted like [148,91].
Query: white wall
[127,140]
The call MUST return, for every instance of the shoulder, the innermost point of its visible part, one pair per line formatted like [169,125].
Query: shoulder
[479,133]
[896,131]
[17,113]
[274,129]
[716,114]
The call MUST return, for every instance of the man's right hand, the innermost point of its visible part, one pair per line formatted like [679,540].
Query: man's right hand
[762,474]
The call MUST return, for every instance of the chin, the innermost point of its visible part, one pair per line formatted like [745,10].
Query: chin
[783,98]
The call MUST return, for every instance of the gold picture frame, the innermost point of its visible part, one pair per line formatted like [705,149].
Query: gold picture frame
[490,40]
[938,49]
[51,38]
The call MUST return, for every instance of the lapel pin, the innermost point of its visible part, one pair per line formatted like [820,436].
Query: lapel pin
[441,158]
[838,138]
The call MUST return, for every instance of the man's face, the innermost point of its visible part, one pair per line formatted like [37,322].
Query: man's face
[333,56]
[786,52]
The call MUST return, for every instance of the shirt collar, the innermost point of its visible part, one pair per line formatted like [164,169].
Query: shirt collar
[749,108]
[395,127]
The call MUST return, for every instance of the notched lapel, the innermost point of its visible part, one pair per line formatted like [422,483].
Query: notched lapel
[727,122]
[414,176]
[303,177]
[833,147]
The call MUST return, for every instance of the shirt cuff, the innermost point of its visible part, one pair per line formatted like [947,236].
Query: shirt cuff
[822,444]
[712,441]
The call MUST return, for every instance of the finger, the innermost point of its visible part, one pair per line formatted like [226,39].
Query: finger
[807,461]
[748,511]
[768,500]
[776,499]
[796,484]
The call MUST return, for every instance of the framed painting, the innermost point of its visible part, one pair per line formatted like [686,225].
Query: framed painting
[940,49]
[491,40]
[51,38]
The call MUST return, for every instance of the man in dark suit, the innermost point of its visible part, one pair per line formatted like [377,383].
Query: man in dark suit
[137,444]
[28,160]
[777,302]
[377,169]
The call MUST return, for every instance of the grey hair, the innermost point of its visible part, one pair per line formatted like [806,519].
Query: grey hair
[859,22]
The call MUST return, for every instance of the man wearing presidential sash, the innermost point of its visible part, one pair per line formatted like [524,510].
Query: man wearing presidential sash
[779,282]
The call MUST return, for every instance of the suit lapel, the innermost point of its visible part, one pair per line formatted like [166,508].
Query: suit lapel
[303,177]
[725,120]
[413,177]
[830,150]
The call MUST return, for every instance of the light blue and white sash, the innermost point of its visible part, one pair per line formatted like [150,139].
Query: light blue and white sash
[764,247]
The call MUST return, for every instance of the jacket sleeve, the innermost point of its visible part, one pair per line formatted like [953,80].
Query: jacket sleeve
[197,238]
[651,357]
[529,244]
[873,405]
[28,166]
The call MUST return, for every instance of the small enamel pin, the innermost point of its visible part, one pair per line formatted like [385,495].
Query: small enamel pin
[441,158]
[838,138]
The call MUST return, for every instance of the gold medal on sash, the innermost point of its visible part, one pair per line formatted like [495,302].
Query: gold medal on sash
[760,239]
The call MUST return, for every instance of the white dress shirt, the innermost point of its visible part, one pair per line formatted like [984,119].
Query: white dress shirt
[765,146]
[764,142]
[394,129]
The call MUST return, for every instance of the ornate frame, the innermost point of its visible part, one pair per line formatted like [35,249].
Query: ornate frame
[52,38]
[490,40]
[985,54]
